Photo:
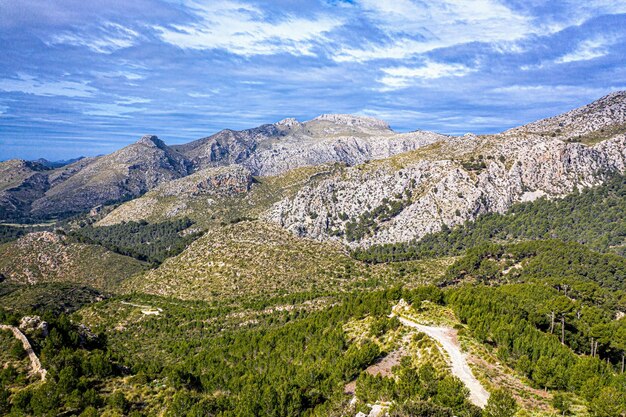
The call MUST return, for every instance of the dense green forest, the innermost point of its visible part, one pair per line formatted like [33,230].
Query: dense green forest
[296,365]
[594,217]
[549,308]
[150,242]
[540,318]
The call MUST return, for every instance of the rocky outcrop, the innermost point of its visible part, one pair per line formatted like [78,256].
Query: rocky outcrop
[406,197]
[602,118]
[173,198]
[33,324]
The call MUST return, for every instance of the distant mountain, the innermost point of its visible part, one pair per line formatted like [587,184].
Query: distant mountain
[32,189]
[124,174]
[21,183]
[276,148]
[57,164]
[130,172]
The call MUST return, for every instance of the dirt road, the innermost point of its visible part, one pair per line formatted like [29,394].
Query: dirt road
[34,360]
[447,339]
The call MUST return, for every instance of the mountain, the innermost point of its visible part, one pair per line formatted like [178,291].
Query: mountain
[276,148]
[270,149]
[57,164]
[181,197]
[126,173]
[441,181]
[34,190]
[21,183]
[407,196]
[589,124]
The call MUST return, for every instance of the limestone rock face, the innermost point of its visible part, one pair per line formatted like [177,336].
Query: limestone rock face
[406,197]
[277,148]
[606,115]
[172,197]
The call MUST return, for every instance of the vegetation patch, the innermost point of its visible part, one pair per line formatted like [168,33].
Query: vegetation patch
[141,240]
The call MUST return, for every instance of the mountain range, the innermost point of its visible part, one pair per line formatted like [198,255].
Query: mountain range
[368,184]
[356,270]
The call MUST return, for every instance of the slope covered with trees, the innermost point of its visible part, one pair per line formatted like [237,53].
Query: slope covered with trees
[150,242]
[593,217]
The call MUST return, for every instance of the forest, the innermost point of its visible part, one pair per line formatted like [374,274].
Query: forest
[149,242]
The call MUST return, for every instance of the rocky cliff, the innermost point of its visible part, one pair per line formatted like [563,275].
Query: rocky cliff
[455,179]
[175,198]
[276,148]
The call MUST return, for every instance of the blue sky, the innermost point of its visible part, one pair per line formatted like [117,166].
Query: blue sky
[84,77]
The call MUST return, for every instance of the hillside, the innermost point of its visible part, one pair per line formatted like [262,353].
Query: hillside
[127,173]
[48,257]
[589,124]
[593,217]
[252,258]
[21,182]
[413,194]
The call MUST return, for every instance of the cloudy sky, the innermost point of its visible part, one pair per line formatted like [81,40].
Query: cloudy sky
[85,77]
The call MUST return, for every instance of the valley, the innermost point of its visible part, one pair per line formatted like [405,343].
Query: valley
[253,273]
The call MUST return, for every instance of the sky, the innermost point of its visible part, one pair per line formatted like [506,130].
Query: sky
[86,77]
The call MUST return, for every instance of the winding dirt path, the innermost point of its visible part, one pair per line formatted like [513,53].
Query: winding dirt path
[34,360]
[447,338]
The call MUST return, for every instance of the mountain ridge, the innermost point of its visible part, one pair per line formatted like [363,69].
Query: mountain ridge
[37,190]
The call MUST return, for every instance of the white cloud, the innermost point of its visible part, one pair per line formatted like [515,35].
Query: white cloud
[131,76]
[119,108]
[587,50]
[105,39]
[417,27]
[30,85]
[245,30]
[401,77]
[199,95]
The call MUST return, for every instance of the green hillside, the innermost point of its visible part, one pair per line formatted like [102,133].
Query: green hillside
[49,257]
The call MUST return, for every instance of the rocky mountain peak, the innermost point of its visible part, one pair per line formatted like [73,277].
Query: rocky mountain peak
[355,121]
[288,122]
[152,141]
[602,119]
